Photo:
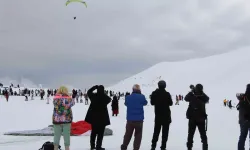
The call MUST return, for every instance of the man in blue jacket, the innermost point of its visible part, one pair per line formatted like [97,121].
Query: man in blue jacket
[135,117]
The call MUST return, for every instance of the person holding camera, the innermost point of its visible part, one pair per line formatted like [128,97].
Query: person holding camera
[97,115]
[196,113]
[244,116]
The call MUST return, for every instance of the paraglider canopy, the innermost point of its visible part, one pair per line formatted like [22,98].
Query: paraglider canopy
[79,1]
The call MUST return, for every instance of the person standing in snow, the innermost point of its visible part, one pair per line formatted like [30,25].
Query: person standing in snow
[135,116]
[6,94]
[97,115]
[161,100]
[196,113]
[86,99]
[230,104]
[225,102]
[42,93]
[244,116]
[25,92]
[115,106]
[62,117]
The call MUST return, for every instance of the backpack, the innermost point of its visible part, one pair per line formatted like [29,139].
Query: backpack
[49,146]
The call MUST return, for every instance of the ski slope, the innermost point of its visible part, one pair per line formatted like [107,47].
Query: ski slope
[222,76]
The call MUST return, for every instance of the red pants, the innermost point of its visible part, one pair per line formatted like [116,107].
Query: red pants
[115,112]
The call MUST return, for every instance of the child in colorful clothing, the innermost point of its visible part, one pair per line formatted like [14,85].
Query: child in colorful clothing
[62,117]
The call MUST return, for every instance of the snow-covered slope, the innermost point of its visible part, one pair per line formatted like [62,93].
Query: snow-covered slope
[224,74]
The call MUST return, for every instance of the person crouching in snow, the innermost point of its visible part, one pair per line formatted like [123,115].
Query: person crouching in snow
[62,117]
[135,116]
[115,106]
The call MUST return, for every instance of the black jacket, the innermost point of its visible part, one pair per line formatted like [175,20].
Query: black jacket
[244,108]
[161,99]
[115,104]
[196,109]
[98,112]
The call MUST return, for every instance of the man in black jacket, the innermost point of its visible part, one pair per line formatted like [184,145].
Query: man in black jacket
[197,116]
[244,116]
[161,99]
[97,115]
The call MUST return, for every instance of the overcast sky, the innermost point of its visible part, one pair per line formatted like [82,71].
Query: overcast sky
[113,39]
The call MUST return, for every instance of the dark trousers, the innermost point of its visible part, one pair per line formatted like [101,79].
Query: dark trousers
[132,126]
[192,124]
[157,130]
[244,128]
[97,131]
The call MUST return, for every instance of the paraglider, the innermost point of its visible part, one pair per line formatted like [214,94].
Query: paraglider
[79,1]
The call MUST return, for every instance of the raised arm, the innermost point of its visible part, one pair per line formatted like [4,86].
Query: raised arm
[188,97]
[91,90]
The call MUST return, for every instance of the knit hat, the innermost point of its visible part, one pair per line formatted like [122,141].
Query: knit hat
[162,84]
[136,87]
[199,87]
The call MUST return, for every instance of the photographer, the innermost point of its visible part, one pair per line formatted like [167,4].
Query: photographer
[244,116]
[196,113]
[97,115]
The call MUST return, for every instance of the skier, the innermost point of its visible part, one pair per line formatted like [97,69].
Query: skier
[196,113]
[161,100]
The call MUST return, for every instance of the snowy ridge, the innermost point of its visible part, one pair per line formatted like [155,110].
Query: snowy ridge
[221,71]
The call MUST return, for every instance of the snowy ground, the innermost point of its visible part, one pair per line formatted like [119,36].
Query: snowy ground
[17,114]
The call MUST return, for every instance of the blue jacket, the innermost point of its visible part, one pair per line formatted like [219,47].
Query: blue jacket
[135,103]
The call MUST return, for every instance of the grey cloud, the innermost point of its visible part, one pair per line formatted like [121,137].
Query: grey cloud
[42,41]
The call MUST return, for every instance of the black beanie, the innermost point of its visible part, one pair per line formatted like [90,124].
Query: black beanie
[162,84]
[199,87]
